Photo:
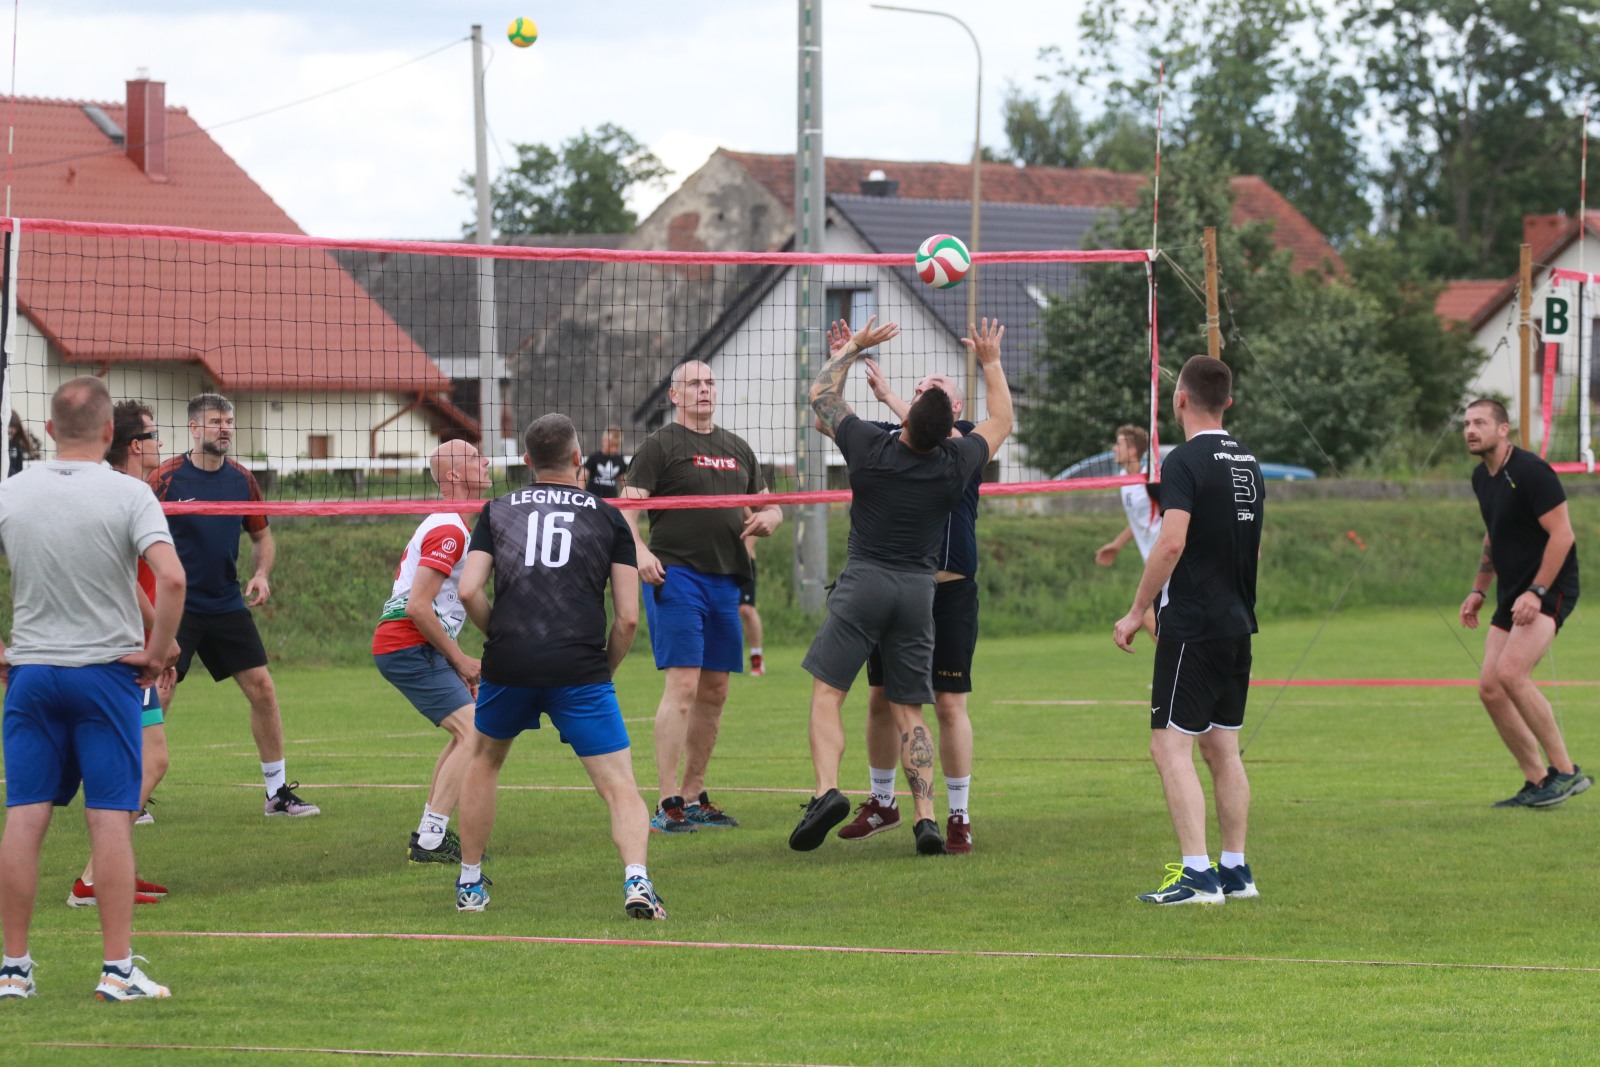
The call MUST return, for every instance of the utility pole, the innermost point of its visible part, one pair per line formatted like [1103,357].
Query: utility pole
[488,373]
[811,350]
[1213,316]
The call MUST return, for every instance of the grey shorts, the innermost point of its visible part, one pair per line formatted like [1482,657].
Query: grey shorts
[872,605]
[424,677]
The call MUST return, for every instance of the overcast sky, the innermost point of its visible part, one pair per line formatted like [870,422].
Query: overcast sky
[383,159]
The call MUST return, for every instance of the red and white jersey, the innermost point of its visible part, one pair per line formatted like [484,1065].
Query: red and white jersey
[440,543]
[1144,519]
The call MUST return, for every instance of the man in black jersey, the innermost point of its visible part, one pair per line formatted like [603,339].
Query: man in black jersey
[905,487]
[1203,567]
[1530,553]
[553,547]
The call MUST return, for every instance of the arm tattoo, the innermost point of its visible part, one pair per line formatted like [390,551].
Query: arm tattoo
[1485,565]
[830,408]
[827,402]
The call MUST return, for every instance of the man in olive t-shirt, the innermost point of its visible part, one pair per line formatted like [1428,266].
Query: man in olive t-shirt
[693,564]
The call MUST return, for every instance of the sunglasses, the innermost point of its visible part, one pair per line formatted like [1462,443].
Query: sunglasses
[148,435]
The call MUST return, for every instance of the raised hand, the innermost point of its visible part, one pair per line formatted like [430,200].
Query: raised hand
[984,339]
[870,336]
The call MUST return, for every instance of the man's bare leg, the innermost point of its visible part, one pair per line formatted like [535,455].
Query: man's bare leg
[155,759]
[19,872]
[680,690]
[477,800]
[1508,720]
[1230,784]
[1173,752]
[826,734]
[111,838]
[916,756]
[266,723]
[1523,650]
[705,722]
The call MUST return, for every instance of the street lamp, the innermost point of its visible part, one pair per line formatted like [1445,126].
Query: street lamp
[977,180]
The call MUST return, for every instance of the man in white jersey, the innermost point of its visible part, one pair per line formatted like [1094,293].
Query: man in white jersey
[1141,507]
[73,529]
[415,643]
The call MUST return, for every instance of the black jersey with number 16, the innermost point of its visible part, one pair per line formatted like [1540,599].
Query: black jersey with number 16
[553,547]
[1212,592]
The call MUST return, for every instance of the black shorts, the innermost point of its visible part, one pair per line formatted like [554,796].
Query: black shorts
[226,643]
[1555,604]
[1200,684]
[747,591]
[955,638]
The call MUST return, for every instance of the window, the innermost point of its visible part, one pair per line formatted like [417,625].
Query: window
[854,306]
[317,446]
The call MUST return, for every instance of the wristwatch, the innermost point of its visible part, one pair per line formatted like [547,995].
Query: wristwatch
[1538,590]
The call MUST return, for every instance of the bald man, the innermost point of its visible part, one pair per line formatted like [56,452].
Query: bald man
[415,643]
[693,565]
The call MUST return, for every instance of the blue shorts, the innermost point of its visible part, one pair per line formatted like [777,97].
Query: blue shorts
[424,678]
[588,717]
[694,621]
[64,725]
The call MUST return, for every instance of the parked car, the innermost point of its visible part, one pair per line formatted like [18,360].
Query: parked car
[1104,465]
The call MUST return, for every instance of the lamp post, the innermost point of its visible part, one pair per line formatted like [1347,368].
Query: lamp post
[977,179]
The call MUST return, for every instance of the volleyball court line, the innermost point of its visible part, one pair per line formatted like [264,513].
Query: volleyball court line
[516,1057]
[863,950]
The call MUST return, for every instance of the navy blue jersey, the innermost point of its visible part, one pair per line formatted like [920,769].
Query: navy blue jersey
[553,547]
[208,545]
[1212,591]
[959,551]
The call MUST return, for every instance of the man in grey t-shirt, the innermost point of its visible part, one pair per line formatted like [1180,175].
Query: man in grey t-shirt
[74,671]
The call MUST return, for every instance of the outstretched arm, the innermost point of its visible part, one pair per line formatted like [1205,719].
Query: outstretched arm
[984,339]
[827,391]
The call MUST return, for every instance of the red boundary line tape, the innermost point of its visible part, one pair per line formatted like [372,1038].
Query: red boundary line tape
[525,1057]
[657,503]
[1425,683]
[66,228]
[610,942]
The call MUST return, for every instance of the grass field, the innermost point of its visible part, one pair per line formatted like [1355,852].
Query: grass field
[1372,841]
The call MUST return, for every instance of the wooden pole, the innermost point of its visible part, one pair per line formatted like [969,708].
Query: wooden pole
[1213,319]
[1525,339]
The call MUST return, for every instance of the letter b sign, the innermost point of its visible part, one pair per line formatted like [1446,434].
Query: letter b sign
[1557,318]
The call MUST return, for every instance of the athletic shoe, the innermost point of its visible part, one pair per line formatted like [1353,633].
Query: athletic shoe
[822,814]
[82,896]
[284,802]
[704,813]
[447,852]
[640,900]
[135,985]
[929,843]
[957,835]
[756,668]
[1520,800]
[1183,886]
[1237,882]
[148,888]
[1558,787]
[17,982]
[145,818]
[670,818]
[871,818]
[474,897]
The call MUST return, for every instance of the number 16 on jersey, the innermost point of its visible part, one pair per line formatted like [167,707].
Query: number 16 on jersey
[552,546]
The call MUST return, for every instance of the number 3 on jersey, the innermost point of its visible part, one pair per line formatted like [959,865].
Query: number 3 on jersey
[554,548]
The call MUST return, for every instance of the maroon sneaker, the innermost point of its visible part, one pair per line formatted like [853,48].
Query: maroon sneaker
[871,818]
[957,835]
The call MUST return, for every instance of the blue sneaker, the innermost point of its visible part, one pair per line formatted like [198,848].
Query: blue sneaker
[474,897]
[704,813]
[640,901]
[1237,882]
[1183,886]
[670,818]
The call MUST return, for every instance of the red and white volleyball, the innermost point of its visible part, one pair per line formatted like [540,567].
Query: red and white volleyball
[942,261]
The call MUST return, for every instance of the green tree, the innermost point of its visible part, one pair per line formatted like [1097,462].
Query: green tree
[1487,94]
[579,189]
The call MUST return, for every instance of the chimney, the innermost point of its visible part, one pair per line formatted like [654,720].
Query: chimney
[878,184]
[147,126]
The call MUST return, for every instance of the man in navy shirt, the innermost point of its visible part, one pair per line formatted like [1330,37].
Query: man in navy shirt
[217,624]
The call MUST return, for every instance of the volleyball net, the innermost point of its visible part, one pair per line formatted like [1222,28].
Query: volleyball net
[349,361]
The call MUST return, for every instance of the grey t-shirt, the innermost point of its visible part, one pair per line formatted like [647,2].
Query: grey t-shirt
[74,532]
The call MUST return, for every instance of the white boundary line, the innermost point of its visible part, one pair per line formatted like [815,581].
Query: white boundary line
[520,1057]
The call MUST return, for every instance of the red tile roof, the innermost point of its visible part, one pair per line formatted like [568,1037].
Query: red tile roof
[253,318]
[1555,240]
[1461,300]
[1003,183]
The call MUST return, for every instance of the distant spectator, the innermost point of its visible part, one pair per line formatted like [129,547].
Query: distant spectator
[603,470]
[21,444]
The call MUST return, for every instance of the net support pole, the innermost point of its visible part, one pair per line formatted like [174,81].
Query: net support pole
[8,326]
[810,460]
[1585,353]
[1524,338]
[1213,316]
[488,374]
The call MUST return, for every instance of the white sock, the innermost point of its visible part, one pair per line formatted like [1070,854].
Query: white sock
[755,650]
[430,830]
[955,791]
[120,966]
[274,774]
[1233,859]
[470,873]
[634,870]
[1197,863]
[25,961]
[883,785]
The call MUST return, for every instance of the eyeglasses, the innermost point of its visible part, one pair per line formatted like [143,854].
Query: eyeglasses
[148,435]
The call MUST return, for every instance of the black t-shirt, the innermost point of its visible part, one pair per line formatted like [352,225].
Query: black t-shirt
[553,547]
[604,469]
[903,499]
[1212,591]
[959,552]
[677,461]
[1511,503]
